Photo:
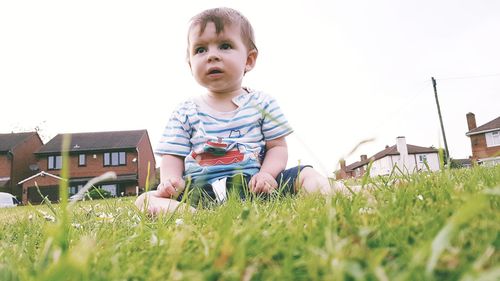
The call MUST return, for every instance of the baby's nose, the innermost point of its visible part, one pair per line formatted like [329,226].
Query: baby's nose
[213,56]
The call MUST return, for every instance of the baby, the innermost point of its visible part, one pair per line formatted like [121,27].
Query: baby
[230,137]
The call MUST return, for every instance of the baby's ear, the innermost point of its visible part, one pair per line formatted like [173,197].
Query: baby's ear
[251,60]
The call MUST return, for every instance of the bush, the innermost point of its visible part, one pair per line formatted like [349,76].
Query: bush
[99,193]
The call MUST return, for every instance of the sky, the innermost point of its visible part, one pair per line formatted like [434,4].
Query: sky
[342,71]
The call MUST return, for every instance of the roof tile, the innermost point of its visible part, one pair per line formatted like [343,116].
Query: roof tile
[392,150]
[95,141]
[490,126]
[9,141]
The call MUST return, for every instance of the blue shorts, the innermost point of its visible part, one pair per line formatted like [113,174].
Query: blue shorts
[201,192]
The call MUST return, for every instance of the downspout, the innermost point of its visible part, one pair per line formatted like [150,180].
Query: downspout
[10,155]
[137,187]
[416,165]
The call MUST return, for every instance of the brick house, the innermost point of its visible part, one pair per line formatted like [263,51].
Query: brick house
[485,140]
[127,153]
[48,184]
[16,157]
[408,158]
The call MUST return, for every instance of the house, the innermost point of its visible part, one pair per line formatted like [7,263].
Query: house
[408,158]
[463,163]
[47,183]
[485,140]
[17,159]
[127,153]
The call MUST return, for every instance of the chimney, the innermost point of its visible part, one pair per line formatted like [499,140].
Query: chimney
[403,152]
[342,164]
[364,157]
[471,120]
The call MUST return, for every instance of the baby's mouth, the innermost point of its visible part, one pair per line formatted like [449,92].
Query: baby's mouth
[214,71]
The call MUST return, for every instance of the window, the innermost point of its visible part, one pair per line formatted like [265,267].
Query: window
[422,158]
[72,190]
[106,159]
[112,188]
[492,138]
[121,158]
[55,162]
[115,159]
[82,160]
[495,137]
[357,172]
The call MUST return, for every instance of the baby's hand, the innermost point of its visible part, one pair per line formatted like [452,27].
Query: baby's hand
[171,187]
[262,182]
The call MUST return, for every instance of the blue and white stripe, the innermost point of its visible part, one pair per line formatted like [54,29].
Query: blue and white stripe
[257,120]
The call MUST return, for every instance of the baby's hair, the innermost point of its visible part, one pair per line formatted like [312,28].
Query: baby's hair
[225,16]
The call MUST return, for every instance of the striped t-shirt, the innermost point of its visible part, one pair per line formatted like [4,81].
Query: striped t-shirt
[221,144]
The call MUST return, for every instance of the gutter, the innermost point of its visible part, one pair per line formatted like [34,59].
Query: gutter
[481,132]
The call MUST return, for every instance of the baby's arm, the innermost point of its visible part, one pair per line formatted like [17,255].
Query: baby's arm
[171,182]
[274,162]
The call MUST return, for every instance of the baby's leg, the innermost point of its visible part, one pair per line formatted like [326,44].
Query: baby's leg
[312,182]
[156,204]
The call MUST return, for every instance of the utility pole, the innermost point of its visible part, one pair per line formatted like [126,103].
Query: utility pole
[447,152]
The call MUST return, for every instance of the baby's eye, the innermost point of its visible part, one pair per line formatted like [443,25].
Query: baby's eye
[200,50]
[225,46]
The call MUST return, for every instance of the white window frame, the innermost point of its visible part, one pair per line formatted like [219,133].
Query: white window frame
[422,158]
[112,188]
[115,159]
[54,162]
[82,160]
[495,138]
[72,190]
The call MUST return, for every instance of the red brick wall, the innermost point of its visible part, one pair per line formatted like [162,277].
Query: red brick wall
[479,148]
[341,174]
[146,155]
[5,166]
[94,166]
[41,181]
[23,157]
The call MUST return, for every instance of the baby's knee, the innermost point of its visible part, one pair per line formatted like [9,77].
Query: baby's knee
[154,204]
[312,181]
[141,200]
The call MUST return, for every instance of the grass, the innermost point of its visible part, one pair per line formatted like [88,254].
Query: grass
[438,226]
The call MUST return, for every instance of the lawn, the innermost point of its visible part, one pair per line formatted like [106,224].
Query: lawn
[438,226]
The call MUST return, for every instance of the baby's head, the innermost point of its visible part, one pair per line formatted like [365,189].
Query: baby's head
[221,50]
[222,17]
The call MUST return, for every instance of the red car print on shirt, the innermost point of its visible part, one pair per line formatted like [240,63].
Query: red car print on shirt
[214,153]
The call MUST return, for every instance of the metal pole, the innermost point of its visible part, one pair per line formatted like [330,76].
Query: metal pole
[447,152]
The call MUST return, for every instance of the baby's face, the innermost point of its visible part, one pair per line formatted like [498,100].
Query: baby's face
[219,61]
